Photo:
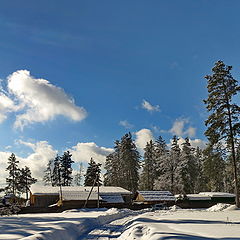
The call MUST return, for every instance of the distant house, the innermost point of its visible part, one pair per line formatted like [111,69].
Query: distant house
[154,197]
[75,197]
[204,199]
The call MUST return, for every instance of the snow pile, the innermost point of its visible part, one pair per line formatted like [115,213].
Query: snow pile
[231,208]
[174,208]
[218,207]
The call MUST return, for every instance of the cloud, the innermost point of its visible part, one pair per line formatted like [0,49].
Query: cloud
[178,128]
[38,100]
[149,107]
[42,152]
[36,161]
[142,137]
[83,152]
[6,105]
[126,124]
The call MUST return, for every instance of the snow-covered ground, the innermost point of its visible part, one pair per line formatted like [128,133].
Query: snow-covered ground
[218,222]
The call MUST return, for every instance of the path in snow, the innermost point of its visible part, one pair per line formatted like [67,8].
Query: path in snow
[171,225]
[111,230]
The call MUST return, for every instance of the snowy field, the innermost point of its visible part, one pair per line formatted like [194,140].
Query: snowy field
[218,222]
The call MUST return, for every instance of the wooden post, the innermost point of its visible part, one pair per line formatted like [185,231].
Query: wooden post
[90,192]
[98,192]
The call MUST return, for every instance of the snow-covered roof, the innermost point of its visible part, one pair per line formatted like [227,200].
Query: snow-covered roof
[48,190]
[157,195]
[198,197]
[76,195]
[112,198]
[217,194]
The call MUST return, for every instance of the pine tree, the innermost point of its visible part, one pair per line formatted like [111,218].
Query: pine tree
[214,168]
[200,185]
[66,168]
[114,168]
[92,175]
[223,121]
[79,176]
[148,175]
[48,176]
[14,172]
[162,156]
[26,180]
[187,168]
[129,160]
[56,174]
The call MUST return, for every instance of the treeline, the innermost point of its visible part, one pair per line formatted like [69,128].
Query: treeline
[178,168]
[184,169]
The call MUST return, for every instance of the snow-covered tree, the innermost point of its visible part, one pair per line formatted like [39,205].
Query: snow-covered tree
[187,168]
[214,168]
[129,159]
[14,172]
[26,180]
[66,168]
[56,174]
[200,184]
[79,176]
[92,175]
[48,176]
[148,174]
[114,169]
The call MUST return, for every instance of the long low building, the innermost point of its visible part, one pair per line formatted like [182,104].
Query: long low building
[75,197]
[204,199]
[154,197]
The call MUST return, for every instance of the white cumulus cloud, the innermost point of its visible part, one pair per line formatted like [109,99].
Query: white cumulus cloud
[83,152]
[142,137]
[42,152]
[126,124]
[38,99]
[149,107]
[179,129]
[6,105]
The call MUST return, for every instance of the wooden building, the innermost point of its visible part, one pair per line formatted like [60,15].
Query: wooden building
[204,199]
[75,197]
[150,198]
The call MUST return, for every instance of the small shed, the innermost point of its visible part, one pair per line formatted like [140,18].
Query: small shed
[154,197]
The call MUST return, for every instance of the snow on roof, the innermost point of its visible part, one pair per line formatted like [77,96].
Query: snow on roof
[113,198]
[198,197]
[76,195]
[48,190]
[217,194]
[157,195]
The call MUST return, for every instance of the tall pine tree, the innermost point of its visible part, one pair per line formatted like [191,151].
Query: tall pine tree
[14,173]
[92,176]
[148,175]
[187,172]
[66,168]
[48,176]
[79,176]
[114,167]
[223,121]
[26,180]
[56,174]
[129,159]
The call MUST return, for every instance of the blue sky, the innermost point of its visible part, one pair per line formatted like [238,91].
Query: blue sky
[110,57]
